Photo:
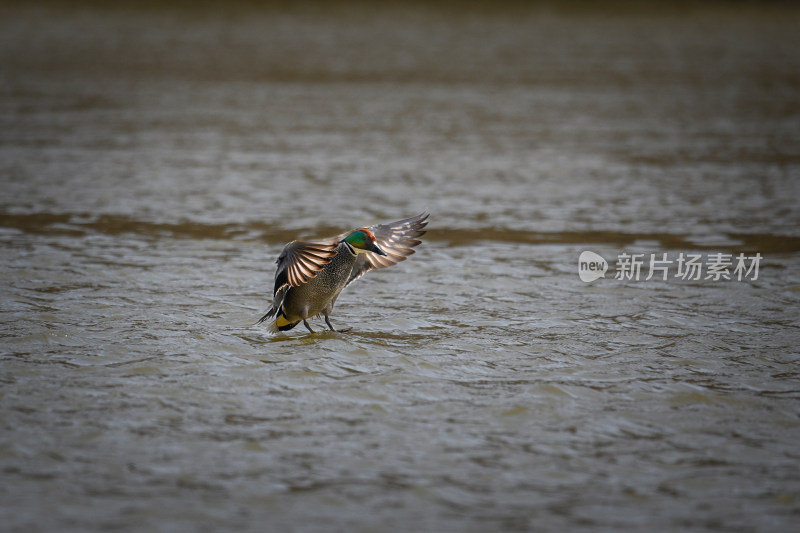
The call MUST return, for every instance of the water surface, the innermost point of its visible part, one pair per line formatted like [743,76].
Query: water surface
[154,162]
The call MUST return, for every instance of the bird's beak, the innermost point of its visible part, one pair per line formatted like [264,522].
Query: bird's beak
[374,248]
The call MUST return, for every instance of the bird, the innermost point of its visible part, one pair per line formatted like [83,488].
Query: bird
[311,274]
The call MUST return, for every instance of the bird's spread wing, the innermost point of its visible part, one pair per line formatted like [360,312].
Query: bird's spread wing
[397,239]
[301,261]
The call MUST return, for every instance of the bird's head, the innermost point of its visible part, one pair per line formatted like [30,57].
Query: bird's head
[363,240]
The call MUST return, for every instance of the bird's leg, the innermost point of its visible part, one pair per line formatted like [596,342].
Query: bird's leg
[328,321]
[305,323]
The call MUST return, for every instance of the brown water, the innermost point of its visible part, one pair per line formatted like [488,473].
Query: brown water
[154,161]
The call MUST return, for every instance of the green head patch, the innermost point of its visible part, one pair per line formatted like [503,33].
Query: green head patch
[361,239]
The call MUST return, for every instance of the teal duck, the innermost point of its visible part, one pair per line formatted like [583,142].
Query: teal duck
[311,275]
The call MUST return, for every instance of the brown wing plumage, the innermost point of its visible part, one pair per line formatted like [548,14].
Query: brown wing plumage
[301,261]
[397,239]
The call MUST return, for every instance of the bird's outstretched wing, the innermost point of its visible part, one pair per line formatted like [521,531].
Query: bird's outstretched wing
[397,239]
[300,261]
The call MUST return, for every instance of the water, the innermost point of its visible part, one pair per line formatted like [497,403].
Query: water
[154,162]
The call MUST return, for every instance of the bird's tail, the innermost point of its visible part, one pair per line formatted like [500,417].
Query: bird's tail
[279,324]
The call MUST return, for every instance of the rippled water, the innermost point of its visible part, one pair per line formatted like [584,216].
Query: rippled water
[154,162]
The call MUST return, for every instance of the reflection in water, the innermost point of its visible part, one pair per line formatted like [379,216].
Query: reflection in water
[154,161]
[78,225]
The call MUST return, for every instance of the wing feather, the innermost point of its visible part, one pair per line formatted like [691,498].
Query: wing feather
[397,239]
[300,261]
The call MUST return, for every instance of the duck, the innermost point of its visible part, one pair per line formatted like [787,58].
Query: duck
[311,274]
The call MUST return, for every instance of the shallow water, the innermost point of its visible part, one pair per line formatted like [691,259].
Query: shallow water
[154,162]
